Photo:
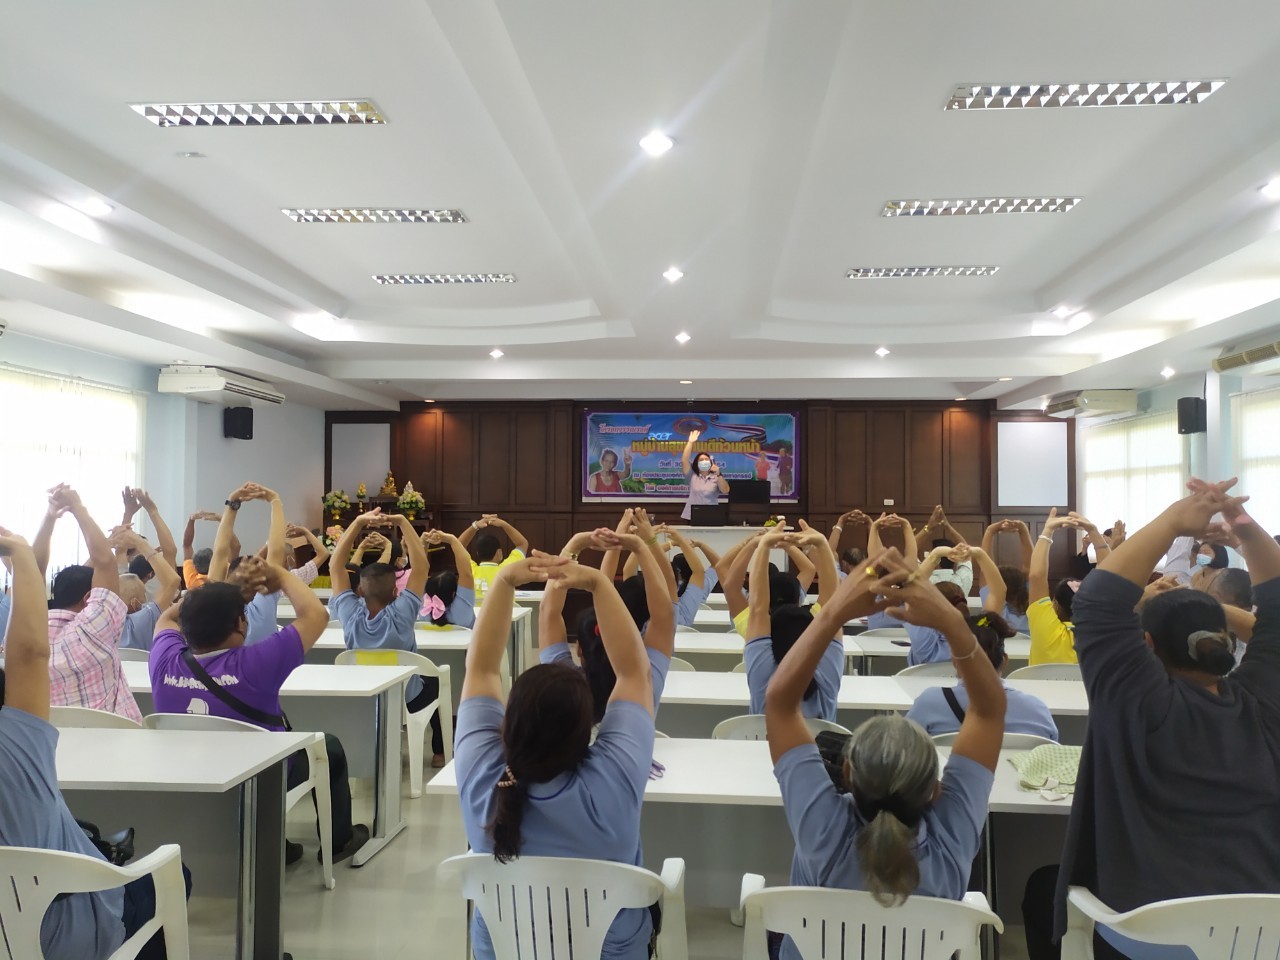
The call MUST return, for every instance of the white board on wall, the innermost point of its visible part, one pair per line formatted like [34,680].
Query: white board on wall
[360,453]
[1031,463]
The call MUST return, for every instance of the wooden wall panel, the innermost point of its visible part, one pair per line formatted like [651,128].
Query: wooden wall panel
[563,453]
[496,468]
[966,461]
[530,468]
[886,460]
[419,459]
[924,459]
[849,460]
[816,471]
[458,442]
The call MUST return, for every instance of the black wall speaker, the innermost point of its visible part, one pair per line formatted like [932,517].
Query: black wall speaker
[237,423]
[1192,416]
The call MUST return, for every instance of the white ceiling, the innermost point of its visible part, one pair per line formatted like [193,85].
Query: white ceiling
[794,122]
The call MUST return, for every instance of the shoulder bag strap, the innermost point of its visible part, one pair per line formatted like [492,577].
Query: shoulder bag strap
[954,703]
[235,703]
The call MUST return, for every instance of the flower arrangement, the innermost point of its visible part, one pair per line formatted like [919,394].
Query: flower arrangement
[332,535]
[361,492]
[411,501]
[335,501]
[775,519]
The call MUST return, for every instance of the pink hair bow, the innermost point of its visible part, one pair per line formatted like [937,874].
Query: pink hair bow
[432,607]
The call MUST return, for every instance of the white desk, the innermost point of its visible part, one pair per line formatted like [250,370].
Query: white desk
[441,645]
[101,764]
[896,648]
[309,683]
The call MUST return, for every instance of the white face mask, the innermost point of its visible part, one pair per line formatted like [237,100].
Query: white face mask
[704,466]
[1203,560]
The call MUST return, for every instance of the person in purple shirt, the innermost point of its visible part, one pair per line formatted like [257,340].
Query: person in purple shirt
[210,625]
[898,830]
[774,629]
[530,781]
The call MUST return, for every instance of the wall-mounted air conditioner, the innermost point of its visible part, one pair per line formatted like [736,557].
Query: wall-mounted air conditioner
[1093,403]
[213,385]
[1268,354]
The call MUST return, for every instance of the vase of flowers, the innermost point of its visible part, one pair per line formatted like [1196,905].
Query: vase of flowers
[361,494]
[336,501]
[332,535]
[410,502]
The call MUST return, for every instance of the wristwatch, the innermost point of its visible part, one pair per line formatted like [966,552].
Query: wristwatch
[233,504]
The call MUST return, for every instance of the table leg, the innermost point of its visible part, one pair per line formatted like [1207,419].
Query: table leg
[261,888]
[387,816]
[990,940]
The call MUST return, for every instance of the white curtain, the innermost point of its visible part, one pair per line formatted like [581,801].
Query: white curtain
[1132,469]
[1255,420]
[61,430]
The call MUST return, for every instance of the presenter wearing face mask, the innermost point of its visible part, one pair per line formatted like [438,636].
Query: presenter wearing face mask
[703,473]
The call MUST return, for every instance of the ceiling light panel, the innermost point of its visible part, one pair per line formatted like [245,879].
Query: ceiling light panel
[898,273]
[415,278]
[1126,94]
[290,113]
[977,206]
[371,215]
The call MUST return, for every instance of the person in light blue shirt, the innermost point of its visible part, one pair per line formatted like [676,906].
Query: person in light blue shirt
[140,624]
[530,781]
[260,613]
[449,597]
[929,645]
[1025,713]
[4,616]
[775,631]
[694,579]
[899,830]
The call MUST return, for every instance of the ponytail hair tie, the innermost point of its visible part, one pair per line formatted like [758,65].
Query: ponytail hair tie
[983,620]
[508,779]
[596,629]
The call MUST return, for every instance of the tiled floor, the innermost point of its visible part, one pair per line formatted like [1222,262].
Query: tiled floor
[396,908]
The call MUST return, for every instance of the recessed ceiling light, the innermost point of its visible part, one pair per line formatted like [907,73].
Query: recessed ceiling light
[496,353]
[1126,94]
[413,278]
[686,382]
[1062,311]
[1168,372]
[1005,379]
[882,352]
[977,206]
[960,399]
[93,207]
[884,273]
[260,113]
[382,383]
[683,337]
[1272,189]
[179,361]
[673,274]
[372,215]
[189,155]
[656,143]
[427,400]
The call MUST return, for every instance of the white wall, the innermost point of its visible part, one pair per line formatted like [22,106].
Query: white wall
[187,464]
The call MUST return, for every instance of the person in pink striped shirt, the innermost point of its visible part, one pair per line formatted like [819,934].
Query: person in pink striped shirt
[86,619]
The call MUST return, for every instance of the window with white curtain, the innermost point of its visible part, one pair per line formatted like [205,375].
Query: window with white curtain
[1255,420]
[1132,469]
[63,430]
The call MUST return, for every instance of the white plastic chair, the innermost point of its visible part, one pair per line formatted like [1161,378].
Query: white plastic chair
[69,717]
[532,903]
[659,735]
[31,878]
[817,919]
[317,781]
[893,633]
[686,628]
[943,668]
[751,727]
[137,656]
[739,667]
[417,725]
[1047,671]
[1238,926]
[1011,741]
[681,666]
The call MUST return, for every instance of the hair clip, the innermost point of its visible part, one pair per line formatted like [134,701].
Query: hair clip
[983,621]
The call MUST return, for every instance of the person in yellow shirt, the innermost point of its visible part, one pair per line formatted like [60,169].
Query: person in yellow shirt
[488,558]
[1049,613]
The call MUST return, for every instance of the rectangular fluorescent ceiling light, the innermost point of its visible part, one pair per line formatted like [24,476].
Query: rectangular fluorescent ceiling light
[371,215]
[1129,94]
[291,113]
[410,278]
[977,206]
[887,273]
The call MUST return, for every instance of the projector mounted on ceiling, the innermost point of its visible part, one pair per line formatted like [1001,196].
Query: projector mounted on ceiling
[214,385]
[1093,403]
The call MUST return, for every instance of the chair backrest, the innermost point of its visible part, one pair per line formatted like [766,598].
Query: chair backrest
[68,717]
[817,920]
[137,656]
[30,879]
[1047,671]
[686,628]
[893,633]
[943,668]
[739,667]
[682,666]
[192,721]
[1011,741]
[1231,927]
[751,727]
[533,903]
[389,658]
